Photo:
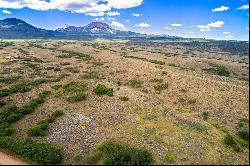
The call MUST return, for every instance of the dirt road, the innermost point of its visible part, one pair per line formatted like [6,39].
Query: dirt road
[10,160]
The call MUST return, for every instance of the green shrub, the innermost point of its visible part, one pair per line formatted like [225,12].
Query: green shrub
[117,154]
[74,91]
[9,79]
[229,141]
[205,116]
[20,87]
[157,62]
[70,54]
[170,157]
[124,98]
[40,129]
[243,134]
[42,153]
[160,87]
[135,83]
[38,82]
[91,75]
[180,110]
[2,103]
[76,98]
[156,80]
[103,90]
[218,70]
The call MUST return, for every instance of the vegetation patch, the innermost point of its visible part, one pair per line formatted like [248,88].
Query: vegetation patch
[115,153]
[91,75]
[170,157]
[205,116]
[218,70]
[230,142]
[42,153]
[157,62]
[135,83]
[124,98]
[40,129]
[10,79]
[20,87]
[70,54]
[160,87]
[103,90]
[73,91]
[11,114]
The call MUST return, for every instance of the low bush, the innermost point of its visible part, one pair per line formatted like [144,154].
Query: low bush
[42,153]
[73,91]
[2,103]
[40,129]
[76,98]
[160,87]
[135,83]
[229,141]
[20,87]
[9,79]
[103,90]
[117,154]
[157,62]
[218,70]
[124,98]
[170,157]
[243,134]
[205,116]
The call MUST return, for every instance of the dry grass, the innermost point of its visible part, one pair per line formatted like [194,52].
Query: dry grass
[143,120]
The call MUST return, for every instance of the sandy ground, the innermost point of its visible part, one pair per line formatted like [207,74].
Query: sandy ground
[10,160]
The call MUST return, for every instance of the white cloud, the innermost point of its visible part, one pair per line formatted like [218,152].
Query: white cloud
[206,28]
[95,14]
[244,7]
[127,20]
[216,24]
[99,19]
[111,19]
[229,36]
[6,12]
[118,25]
[247,35]
[88,7]
[176,25]
[191,32]
[136,15]
[225,33]
[220,9]
[123,4]
[113,13]
[247,28]
[167,28]
[143,25]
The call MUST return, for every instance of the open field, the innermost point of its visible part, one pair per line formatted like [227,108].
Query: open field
[182,105]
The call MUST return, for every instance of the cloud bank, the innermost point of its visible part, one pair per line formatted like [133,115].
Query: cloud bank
[88,7]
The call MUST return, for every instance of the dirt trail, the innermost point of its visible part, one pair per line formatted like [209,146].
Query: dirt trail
[10,160]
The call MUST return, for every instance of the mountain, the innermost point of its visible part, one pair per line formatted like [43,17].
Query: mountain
[19,29]
[92,28]
[16,28]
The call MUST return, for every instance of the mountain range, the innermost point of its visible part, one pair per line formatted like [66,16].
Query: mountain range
[16,28]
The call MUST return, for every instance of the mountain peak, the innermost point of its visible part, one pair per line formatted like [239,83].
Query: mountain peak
[12,21]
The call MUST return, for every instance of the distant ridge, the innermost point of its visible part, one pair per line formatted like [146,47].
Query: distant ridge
[16,28]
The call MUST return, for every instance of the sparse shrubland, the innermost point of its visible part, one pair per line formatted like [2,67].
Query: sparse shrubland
[40,129]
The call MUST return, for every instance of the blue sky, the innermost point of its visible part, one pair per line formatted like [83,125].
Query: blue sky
[215,19]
